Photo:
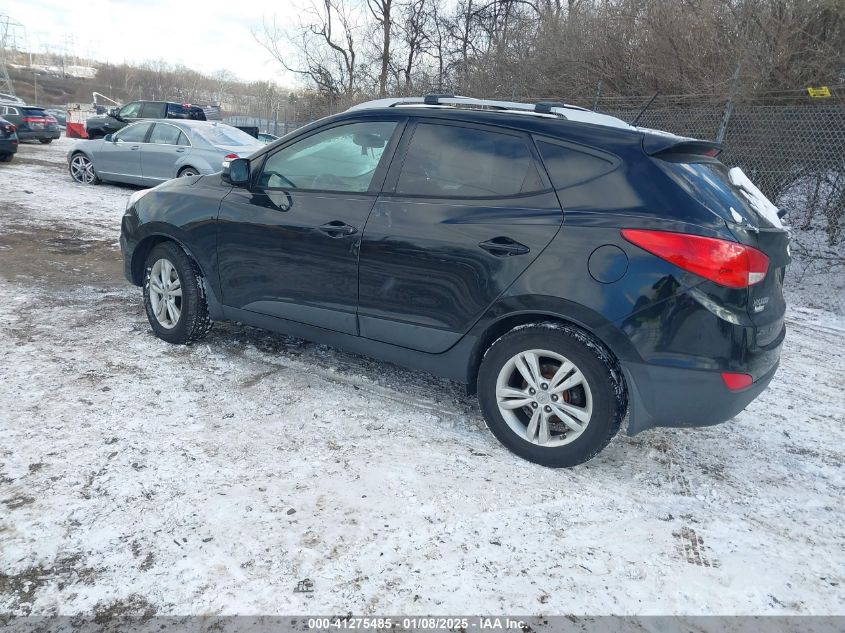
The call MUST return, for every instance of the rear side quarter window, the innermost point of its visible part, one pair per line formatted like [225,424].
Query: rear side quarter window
[568,166]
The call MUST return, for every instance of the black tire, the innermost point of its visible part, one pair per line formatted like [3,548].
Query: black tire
[46,141]
[193,322]
[187,171]
[599,368]
[6,158]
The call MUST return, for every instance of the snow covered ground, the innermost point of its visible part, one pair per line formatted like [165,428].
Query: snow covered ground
[136,476]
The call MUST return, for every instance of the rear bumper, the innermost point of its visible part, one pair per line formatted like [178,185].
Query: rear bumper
[673,397]
[8,146]
[38,135]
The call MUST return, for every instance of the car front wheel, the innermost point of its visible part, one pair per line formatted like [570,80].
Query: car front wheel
[551,393]
[174,295]
[82,170]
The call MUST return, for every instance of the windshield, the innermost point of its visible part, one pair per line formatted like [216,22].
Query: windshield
[223,135]
[710,183]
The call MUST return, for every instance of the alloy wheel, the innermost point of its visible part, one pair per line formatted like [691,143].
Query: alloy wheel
[544,398]
[82,169]
[165,293]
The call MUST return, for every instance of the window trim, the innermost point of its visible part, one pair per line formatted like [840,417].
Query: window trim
[161,122]
[402,154]
[379,175]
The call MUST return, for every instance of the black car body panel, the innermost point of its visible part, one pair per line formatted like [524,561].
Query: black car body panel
[431,282]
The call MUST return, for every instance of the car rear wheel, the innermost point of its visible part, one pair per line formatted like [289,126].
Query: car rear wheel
[551,394]
[188,171]
[174,295]
[6,158]
[46,141]
[82,170]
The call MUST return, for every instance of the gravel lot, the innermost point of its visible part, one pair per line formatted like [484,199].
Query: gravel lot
[260,474]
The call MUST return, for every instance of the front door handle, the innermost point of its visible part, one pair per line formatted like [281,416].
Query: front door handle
[504,247]
[134,147]
[338,229]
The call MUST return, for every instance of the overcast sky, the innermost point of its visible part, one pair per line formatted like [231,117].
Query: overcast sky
[207,35]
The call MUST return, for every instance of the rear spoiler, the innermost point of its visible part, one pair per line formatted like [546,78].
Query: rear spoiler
[666,145]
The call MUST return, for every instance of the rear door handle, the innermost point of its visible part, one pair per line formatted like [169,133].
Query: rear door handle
[134,147]
[337,228]
[504,247]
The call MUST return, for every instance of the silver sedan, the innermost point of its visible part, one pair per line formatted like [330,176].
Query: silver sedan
[150,152]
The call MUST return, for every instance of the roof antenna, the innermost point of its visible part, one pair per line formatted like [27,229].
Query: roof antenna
[645,107]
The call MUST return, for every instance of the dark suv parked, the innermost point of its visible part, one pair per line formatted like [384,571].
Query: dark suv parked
[118,118]
[567,266]
[32,123]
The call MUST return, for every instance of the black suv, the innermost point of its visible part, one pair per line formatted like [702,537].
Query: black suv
[32,122]
[118,118]
[565,265]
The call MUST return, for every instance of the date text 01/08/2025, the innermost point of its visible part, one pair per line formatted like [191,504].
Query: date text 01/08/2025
[416,623]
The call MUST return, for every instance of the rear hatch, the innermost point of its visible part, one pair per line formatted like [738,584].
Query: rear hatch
[36,119]
[750,216]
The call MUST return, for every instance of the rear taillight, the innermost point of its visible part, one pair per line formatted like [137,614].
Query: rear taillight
[726,263]
[736,382]
[33,119]
[230,157]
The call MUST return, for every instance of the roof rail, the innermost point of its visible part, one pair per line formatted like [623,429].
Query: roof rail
[543,108]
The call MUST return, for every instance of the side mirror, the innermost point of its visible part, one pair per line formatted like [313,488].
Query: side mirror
[236,171]
[109,138]
[113,112]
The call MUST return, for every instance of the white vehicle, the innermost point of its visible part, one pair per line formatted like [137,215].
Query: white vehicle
[11,99]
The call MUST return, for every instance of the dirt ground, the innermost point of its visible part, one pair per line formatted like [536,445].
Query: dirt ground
[255,473]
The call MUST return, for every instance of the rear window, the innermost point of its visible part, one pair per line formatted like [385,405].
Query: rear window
[709,183]
[226,136]
[34,112]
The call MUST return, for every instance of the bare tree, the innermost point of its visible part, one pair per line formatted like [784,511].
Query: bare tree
[324,47]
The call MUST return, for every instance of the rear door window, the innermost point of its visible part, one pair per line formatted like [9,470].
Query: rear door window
[446,161]
[152,110]
[164,134]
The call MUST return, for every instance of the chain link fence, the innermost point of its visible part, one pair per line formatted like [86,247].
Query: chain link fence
[794,152]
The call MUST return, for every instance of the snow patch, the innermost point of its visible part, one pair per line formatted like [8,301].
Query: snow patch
[756,198]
